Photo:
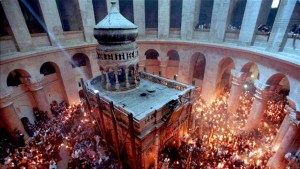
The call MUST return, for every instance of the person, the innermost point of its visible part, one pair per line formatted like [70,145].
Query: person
[20,138]
[52,164]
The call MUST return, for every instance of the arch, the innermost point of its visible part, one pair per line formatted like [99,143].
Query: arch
[152,63]
[80,59]
[16,77]
[253,68]
[173,55]
[151,54]
[173,64]
[121,75]
[81,68]
[47,68]
[279,79]
[55,90]
[197,68]
[224,75]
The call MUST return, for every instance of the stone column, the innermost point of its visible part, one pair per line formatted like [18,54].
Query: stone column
[156,151]
[283,129]
[197,13]
[117,80]
[163,70]
[36,87]
[278,161]
[107,81]
[8,116]
[188,18]
[278,36]
[255,10]
[219,20]
[52,21]
[17,24]
[238,79]
[163,65]
[88,19]
[163,18]
[262,94]
[139,16]
[126,78]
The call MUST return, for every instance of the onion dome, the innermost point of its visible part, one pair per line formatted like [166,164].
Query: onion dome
[115,28]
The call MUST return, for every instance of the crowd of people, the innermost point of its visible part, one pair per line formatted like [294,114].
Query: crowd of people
[203,26]
[70,129]
[233,28]
[218,140]
[264,28]
[295,30]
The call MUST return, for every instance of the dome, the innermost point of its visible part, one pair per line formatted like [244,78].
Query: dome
[115,28]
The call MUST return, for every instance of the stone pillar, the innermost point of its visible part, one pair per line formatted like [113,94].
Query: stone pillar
[238,79]
[188,18]
[108,4]
[88,19]
[163,65]
[8,116]
[117,80]
[278,161]
[17,24]
[197,13]
[139,16]
[278,36]
[219,20]
[163,18]
[52,21]
[282,130]
[126,77]
[163,70]
[156,151]
[209,84]
[107,81]
[254,11]
[262,94]
[35,86]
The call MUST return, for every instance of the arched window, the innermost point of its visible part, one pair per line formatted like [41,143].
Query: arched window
[47,69]
[173,55]
[151,54]
[199,67]
[14,78]
[79,60]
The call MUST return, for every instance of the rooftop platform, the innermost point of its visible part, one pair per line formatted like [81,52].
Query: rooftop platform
[153,93]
